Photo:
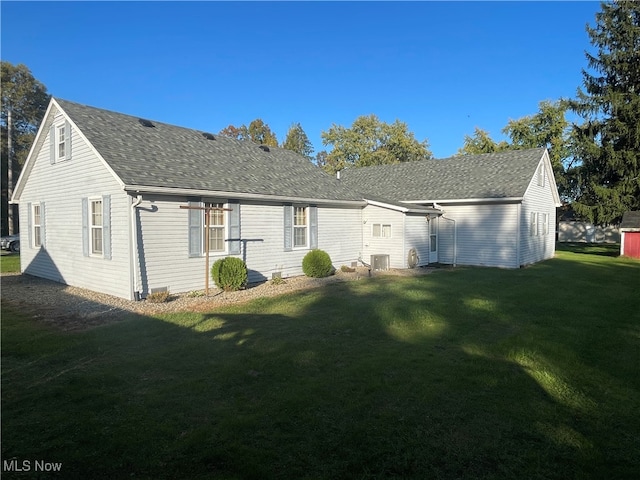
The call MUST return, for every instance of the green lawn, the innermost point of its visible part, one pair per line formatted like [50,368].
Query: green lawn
[472,373]
[9,262]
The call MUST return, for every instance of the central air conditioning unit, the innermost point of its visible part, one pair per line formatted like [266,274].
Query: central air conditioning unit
[379,262]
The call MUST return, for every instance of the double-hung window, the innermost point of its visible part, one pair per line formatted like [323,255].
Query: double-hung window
[533,225]
[36,225]
[216,227]
[300,227]
[96,225]
[61,142]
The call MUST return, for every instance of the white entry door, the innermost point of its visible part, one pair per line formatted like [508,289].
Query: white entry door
[433,240]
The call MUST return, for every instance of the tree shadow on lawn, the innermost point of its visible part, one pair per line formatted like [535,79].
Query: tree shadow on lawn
[381,379]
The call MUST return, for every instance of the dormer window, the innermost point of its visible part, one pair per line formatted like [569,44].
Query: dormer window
[61,143]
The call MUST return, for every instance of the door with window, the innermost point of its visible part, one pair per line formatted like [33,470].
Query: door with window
[433,240]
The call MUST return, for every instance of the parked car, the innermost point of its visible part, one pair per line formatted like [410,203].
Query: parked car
[10,242]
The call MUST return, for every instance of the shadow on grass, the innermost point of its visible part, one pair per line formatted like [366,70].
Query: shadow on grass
[473,373]
[605,249]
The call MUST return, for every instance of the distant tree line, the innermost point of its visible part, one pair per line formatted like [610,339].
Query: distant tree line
[596,162]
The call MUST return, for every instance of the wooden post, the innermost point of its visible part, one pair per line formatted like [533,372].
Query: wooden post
[207,213]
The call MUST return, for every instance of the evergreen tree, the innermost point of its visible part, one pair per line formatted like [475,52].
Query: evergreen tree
[298,141]
[608,141]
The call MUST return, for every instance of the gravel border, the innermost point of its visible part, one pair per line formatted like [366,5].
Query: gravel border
[73,308]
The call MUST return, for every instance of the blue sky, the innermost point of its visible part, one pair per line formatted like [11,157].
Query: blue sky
[443,68]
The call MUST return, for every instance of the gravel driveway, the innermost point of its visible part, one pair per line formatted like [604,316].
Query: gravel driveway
[73,308]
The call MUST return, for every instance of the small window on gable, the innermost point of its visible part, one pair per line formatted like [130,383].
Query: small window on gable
[541,175]
[61,142]
[381,230]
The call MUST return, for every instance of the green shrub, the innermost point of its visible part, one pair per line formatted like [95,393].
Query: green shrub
[229,274]
[317,263]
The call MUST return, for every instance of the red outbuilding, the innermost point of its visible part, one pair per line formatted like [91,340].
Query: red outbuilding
[630,234]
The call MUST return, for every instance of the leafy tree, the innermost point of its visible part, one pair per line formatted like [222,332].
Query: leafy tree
[257,131]
[239,133]
[608,141]
[370,141]
[298,141]
[548,128]
[24,102]
[481,142]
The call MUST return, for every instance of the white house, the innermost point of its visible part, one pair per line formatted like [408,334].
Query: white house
[496,209]
[104,197]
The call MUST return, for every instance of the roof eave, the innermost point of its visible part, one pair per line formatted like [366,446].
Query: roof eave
[455,201]
[239,195]
[403,209]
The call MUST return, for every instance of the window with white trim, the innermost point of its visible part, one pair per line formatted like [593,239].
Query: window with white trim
[533,225]
[545,223]
[216,227]
[300,227]
[61,142]
[541,175]
[381,230]
[36,225]
[95,225]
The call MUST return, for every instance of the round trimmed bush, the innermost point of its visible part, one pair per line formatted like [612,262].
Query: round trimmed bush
[317,264]
[229,273]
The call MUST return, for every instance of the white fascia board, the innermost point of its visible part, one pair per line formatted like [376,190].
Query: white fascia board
[552,177]
[28,164]
[398,208]
[467,200]
[185,192]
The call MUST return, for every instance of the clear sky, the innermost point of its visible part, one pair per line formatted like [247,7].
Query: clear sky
[443,68]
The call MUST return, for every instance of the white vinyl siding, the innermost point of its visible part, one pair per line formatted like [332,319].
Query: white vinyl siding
[486,235]
[62,186]
[538,219]
[164,230]
[373,244]
[416,233]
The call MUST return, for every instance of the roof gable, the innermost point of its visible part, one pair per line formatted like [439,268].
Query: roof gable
[170,157]
[489,176]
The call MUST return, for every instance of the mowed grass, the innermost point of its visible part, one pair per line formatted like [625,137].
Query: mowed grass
[469,373]
[9,263]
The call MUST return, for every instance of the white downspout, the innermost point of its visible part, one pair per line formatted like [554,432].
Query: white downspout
[135,263]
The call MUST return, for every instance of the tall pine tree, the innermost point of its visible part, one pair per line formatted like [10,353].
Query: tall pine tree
[608,142]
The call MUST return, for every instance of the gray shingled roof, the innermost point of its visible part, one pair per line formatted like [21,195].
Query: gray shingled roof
[487,176]
[631,219]
[181,158]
